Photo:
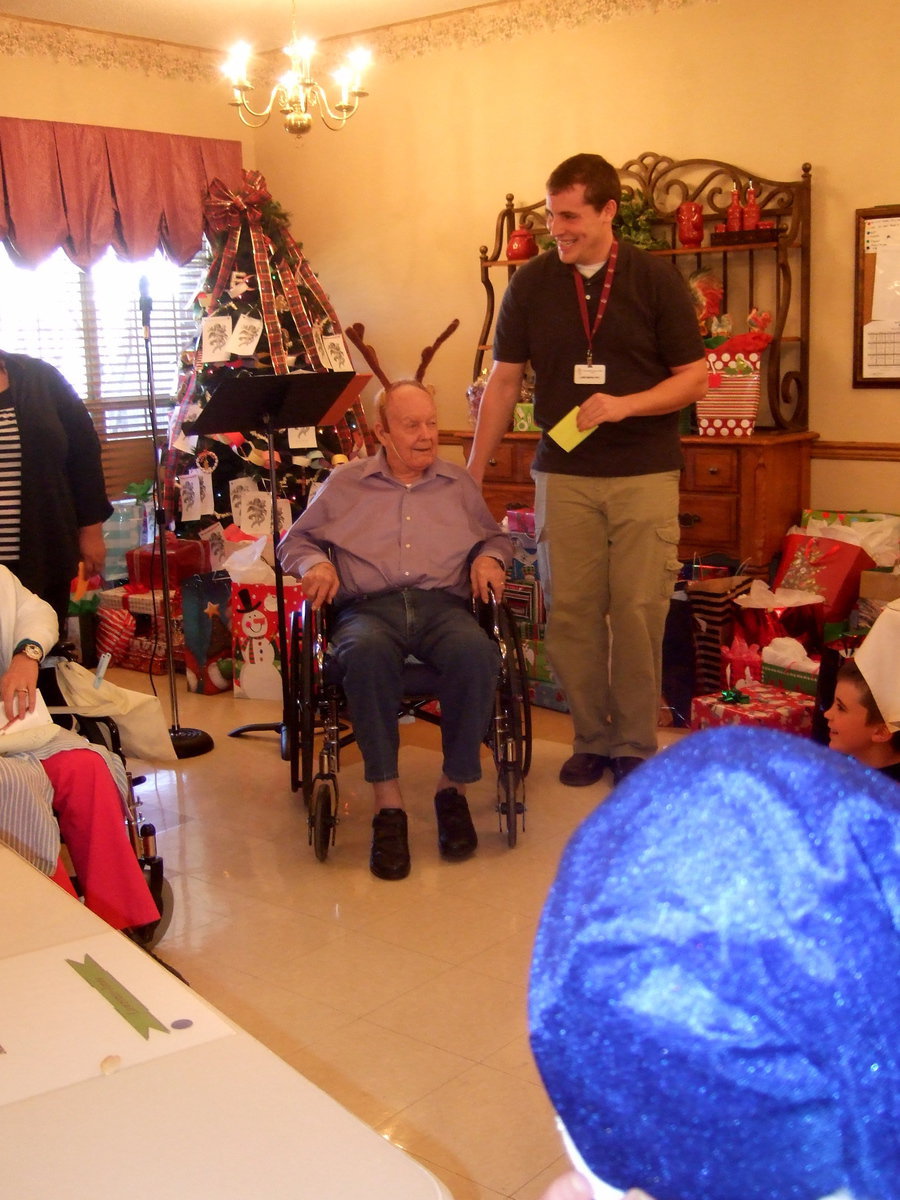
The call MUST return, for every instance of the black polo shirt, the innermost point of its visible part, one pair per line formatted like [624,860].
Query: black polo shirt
[650,326]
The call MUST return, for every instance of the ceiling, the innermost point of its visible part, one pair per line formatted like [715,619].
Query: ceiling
[216,24]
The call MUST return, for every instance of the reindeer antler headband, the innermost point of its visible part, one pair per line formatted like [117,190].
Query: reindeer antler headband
[357,333]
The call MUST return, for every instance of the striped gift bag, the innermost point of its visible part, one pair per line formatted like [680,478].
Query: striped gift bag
[731,402]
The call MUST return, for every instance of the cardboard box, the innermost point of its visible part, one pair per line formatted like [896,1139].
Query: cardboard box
[881,583]
[771,707]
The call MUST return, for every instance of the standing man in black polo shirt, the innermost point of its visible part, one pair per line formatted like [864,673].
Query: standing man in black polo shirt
[612,337]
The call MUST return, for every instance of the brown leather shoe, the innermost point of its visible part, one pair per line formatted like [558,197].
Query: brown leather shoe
[583,769]
[623,766]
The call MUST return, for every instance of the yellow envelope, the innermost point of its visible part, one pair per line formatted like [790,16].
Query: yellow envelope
[566,432]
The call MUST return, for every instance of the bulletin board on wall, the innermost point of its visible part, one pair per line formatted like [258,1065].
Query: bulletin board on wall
[876,317]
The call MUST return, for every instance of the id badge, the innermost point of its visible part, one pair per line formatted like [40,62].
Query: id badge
[590,373]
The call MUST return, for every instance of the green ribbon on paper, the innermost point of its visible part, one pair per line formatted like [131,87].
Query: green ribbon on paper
[126,1005]
[733,696]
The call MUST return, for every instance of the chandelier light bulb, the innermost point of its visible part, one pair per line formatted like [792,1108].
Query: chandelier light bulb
[297,94]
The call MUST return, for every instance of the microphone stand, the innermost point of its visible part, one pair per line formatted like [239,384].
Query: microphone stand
[187,743]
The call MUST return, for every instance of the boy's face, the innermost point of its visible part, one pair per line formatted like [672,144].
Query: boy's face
[848,722]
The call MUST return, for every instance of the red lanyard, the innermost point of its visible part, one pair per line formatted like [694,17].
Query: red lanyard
[604,298]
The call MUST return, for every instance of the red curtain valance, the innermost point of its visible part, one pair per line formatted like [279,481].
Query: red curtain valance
[86,187]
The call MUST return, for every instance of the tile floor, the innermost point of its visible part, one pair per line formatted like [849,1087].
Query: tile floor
[405,1001]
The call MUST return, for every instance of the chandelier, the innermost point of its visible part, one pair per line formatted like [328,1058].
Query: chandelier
[297,95]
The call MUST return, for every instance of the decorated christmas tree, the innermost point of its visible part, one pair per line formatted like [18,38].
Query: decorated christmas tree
[261,310]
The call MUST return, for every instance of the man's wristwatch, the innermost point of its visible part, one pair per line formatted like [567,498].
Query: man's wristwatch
[31,649]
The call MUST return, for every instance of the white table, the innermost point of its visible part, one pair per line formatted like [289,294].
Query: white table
[197,1109]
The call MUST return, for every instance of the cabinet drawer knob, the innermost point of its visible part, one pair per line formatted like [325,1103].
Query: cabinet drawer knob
[686,520]
[713,471]
[492,462]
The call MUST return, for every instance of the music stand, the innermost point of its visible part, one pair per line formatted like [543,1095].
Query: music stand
[268,404]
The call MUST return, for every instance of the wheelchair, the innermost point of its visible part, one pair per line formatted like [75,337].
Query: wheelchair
[103,731]
[317,715]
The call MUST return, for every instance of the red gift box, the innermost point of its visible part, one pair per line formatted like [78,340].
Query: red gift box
[185,557]
[258,659]
[773,707]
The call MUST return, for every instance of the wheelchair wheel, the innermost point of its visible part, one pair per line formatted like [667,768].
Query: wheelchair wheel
[322,820]
[303,717]
[152,934]
[511,741]
[509,804]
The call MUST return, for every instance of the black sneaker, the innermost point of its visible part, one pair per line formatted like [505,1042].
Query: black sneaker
[390,844]
[457,838]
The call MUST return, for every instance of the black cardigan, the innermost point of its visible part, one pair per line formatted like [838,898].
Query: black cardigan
[62,475]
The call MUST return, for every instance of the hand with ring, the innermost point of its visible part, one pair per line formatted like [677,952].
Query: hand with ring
[19,681]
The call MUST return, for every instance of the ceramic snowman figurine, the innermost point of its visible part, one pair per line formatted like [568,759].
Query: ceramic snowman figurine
[259,677]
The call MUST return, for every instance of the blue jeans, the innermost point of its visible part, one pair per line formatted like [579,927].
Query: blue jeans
[372,637]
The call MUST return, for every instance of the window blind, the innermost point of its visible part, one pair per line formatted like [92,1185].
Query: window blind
[88,325]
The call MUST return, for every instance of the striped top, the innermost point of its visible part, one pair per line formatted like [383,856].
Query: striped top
[10,480]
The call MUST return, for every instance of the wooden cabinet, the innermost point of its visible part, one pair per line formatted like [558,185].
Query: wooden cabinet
[737,497]
[507,479]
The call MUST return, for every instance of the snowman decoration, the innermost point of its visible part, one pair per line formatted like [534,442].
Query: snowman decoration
[259,677]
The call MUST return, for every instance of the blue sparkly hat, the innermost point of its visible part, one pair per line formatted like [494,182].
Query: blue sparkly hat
[715,990]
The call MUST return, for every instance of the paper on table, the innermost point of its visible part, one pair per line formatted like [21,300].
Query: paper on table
[566,432]
[58,1028]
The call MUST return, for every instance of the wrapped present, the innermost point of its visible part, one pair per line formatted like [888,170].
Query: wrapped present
[115,629]
[525,600]
[520,520]
[149,654]
[138,599]
[184,555]
[537,665]
[523,419]
[123,531]
[206,609]
[790,678]
[755,704]
[834,517]
[547,695]
[258,656]
[524,561]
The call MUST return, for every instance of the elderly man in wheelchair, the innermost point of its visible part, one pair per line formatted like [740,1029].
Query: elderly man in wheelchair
[400,543]
[49,775]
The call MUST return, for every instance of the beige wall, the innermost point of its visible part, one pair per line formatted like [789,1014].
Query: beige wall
[392,210]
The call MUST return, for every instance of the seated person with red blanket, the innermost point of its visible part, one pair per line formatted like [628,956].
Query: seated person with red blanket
[64,780]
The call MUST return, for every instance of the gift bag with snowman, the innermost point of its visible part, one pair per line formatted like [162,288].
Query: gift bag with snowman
[257,654]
